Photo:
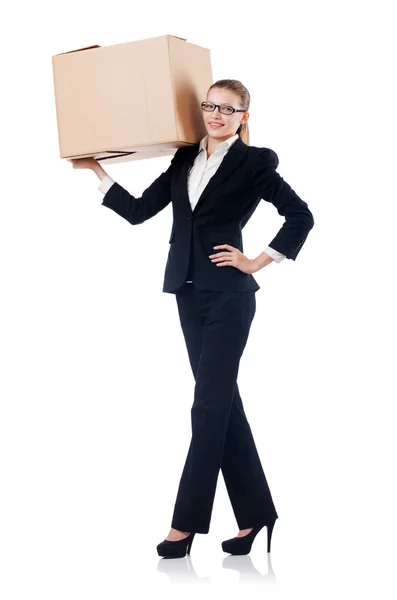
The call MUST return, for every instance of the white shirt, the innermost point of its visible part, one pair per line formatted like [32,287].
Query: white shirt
[199,175]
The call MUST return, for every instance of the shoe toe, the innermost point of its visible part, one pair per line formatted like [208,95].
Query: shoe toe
[227,545]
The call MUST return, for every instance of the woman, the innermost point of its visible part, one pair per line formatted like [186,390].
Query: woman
[216,306]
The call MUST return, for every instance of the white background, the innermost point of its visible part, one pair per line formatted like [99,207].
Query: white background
[96,388]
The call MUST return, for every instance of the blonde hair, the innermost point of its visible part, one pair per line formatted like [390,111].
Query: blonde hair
[238,88]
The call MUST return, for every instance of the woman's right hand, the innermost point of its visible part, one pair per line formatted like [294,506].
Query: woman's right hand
[83,163]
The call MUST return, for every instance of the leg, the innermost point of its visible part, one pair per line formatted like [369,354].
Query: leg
[241,468]
[242,471]
[225,322]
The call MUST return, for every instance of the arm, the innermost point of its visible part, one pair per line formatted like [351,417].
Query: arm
[270,186]
[137,210]
[268,256]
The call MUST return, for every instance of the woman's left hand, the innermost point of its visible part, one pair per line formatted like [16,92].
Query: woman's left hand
[233,258]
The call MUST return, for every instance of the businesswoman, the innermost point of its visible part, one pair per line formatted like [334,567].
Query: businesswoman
[215,187]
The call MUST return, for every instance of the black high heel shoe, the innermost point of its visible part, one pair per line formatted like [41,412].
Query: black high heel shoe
[242,545]
[176,549]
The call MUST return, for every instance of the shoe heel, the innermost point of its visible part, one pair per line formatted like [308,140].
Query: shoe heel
[269,534]
[190,544]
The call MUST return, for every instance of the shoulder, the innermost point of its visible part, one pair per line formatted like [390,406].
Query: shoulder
[179,153]
[184,151]
[178,158]
[185,154]
[263,157]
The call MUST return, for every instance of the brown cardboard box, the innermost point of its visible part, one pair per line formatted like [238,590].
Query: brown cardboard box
[130,101]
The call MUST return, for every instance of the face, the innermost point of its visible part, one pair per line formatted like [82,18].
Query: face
[228,123]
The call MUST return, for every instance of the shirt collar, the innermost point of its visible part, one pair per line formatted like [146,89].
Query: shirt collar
[221,148]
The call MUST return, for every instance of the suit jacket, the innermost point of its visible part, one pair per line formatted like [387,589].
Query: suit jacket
[245,176]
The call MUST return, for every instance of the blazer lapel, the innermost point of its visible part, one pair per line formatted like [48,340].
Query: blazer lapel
[230,162]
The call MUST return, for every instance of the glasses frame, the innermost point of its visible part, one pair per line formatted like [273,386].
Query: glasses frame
[219,108]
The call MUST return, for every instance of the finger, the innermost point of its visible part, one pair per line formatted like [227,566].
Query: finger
[224,253]
[223,264]
[227,246]
[223,256]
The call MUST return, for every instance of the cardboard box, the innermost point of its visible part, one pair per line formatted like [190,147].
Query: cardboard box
[130,101]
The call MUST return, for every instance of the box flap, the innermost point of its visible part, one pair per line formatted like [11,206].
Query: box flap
[79,50]
[177,36]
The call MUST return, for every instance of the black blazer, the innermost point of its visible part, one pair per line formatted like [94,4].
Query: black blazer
[245,175]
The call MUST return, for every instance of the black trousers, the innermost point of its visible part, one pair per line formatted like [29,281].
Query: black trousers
[215,327]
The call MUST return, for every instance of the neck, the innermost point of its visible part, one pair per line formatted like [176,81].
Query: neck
[213,143]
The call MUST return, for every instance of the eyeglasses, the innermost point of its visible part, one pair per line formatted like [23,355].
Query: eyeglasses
[225,109]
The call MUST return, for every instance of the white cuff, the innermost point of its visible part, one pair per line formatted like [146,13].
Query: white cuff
[277,256]
[105,184]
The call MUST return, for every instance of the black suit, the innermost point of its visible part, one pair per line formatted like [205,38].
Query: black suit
[245,175]
[216,312]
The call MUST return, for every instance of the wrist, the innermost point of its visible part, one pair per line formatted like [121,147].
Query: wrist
[101,173]
[262,260]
